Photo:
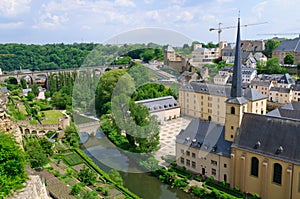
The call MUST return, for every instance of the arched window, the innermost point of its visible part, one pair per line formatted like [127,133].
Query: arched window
[277,173]
[232,110]
[254,166]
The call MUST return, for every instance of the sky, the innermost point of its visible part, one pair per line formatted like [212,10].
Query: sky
[120,21]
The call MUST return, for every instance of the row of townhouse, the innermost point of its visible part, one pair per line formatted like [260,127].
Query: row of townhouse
[279,88]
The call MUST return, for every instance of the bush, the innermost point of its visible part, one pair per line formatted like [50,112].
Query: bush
[75,189]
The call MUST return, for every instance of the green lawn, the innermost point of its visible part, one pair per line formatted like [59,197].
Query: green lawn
[52,116]
[22,109]
[72,159]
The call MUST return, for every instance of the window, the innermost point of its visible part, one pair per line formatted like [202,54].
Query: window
[213,162]
[254,166]
[299,183]
[232,127]
[232,110]
[231,136]
[188,163]
[225,165]
[187,153]
[182,151]
[193,155]
[277,173]
[193,164]
[182,160]
[225,177]
[213,172]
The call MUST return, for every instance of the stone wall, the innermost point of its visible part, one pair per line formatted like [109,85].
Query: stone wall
[35,189]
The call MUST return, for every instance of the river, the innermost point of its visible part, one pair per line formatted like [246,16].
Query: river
[107,156]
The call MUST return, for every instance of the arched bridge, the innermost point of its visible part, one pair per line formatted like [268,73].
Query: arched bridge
[33,75]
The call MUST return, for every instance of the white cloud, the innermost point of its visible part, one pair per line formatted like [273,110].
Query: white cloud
[154,15]
[50,21]
[178,1]
[148,1]
[224,1]
[259,8]
[185,16]
[11,25]
[11,8]
[124,3]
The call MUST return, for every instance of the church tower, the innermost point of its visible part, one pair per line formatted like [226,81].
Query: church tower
[236,104]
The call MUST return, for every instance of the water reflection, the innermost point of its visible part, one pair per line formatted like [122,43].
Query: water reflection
[107,156]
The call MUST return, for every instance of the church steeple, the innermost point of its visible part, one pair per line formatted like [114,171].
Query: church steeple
[236,104]
[236,88]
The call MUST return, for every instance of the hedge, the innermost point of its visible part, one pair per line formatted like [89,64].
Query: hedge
[106,177]
[225,189]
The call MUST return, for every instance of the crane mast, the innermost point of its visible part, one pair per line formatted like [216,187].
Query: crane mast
[219,30]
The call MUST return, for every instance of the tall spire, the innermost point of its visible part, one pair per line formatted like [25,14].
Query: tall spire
[236,87]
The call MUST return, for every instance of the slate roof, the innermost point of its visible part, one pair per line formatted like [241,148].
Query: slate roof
[246,70]
[292,106]
[280,89]
[260,83]
[159,104]
[4,89]
[291,111]
[221,90]
[273,133]
[205,88]
[289,45]
[207,136]
[286,79]
[296,87]
[253,94]
[169,49]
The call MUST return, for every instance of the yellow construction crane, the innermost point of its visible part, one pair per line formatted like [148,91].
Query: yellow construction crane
[219,29]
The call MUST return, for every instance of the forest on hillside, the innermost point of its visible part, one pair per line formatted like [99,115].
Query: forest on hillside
[62,56]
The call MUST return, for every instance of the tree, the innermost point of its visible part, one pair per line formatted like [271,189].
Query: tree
[71,135]
[87,176]
[75,189]
[289,59]
[46,146]
[36,155]
[23,83]
[273,66]
[270,45]
[30,96]
[115,176]
[105,88]
[35,89]
[12,165]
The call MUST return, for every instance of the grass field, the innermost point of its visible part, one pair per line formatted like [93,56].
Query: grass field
[72,159]
[22,109]
[52,116]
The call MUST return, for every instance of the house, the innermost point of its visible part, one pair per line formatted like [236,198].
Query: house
[228,53]
[253,45]
[251,62]
[280,95]
[262,86]
[223,75]
[174,61]
[288,47]
[285,81]
[25,91]
[267,161]
[296,92]
[165,108]
[202,56]
[248,74]
[201,148]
